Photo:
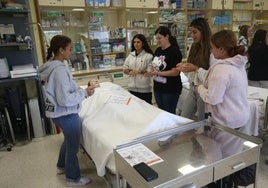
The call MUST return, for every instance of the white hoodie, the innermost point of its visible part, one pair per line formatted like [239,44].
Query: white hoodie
[143,61]
[225,92]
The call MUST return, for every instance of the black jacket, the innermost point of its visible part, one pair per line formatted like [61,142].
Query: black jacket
[258,59]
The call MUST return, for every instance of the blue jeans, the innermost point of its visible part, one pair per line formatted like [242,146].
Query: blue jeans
[166,101]
[71,128]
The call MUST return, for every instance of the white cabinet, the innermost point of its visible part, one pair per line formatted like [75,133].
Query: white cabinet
[260,5]
[50,2]
[73,3]
[70,3]
[222,4]
[142,3]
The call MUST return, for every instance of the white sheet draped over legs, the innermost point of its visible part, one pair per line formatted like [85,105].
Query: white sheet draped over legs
[108,121]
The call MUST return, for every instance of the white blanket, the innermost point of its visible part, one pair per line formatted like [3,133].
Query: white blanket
[113,116]
[257,99]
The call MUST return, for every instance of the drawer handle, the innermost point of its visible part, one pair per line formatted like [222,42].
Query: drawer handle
[190,185]
[240,165]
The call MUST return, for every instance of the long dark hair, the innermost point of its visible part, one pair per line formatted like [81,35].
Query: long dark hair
[227,40]
[165,31]
[200,52]
[243,30]
[259,40]
[145,44]
[57,42]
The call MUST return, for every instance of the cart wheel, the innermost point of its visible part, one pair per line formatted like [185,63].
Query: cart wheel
[9,149]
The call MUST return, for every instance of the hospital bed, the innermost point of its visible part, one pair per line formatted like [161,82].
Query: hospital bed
[113,116]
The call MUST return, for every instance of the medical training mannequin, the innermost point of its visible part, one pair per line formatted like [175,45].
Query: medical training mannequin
[167,80]
[63,102]
[195,68]
[137,65]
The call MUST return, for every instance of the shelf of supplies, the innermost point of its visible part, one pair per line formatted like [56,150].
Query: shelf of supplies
[96,8]
[171,9]
[131,28]
[107,53]
[8,46]
[9,79]
[197,9]
[62,27]
[241,20]
[242,10]
[13,11]
[242,1]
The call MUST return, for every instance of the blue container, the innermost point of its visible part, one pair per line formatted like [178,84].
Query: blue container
[178,3]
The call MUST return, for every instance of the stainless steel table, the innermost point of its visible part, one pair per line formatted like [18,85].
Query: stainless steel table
[189,158]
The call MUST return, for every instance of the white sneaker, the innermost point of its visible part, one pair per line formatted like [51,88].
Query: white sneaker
[81,182]
[60,171]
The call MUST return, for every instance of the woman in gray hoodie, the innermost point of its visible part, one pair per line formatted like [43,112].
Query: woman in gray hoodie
[63,102]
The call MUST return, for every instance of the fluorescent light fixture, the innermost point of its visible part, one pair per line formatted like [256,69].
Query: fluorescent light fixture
[250,144]
[78,9]
[189,168]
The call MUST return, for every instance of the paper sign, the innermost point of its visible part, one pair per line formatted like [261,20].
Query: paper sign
[139,153]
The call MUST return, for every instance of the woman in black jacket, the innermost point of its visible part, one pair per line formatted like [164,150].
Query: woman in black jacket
[258,59]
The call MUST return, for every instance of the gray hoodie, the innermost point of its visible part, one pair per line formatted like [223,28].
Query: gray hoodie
[225,92]
[63,96]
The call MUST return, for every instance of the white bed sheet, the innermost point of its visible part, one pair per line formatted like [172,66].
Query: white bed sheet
[257,98]
[108,122]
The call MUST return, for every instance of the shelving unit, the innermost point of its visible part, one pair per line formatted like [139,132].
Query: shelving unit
[145,21]
[107,36]
[176,20]
[242,14]
[18,48]
[16,53]
[101,20]
[69,21]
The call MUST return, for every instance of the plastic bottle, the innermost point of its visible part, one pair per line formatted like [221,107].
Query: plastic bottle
[82,44]
[86,61]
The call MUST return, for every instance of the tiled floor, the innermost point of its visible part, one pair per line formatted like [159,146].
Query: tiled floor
[32,165]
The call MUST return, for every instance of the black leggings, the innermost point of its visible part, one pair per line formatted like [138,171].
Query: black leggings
[144,96]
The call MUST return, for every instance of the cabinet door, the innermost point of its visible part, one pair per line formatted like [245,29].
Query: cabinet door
[50,2]
[150,4]
[219,4]
[216,4]
[228,4]
[134,3]
[260,5]
[142,3]
[72,3]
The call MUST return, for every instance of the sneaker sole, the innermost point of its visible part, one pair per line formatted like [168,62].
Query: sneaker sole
[70,185]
